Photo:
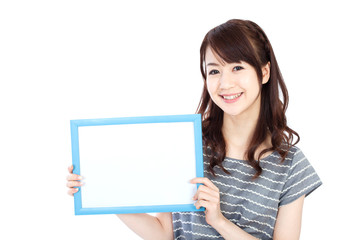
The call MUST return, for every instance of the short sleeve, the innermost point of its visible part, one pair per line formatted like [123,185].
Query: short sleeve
[301,179]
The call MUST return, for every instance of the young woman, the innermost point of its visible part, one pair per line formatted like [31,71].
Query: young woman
[255,178]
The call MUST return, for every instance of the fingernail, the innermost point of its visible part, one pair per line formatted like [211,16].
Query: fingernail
[80,177]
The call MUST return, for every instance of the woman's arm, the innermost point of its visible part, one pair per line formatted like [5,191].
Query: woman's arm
[208,196]
[149,227]
[288,220]
[229,231]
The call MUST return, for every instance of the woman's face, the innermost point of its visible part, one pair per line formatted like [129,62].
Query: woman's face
[234,87]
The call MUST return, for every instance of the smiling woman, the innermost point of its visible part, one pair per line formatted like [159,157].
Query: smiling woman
[237,58]
[256,179]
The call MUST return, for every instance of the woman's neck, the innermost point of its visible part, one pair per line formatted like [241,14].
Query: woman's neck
[238,132]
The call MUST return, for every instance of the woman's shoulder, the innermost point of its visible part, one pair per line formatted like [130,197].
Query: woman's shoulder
[292,153]
[276,162]
[295,156]
[301,178]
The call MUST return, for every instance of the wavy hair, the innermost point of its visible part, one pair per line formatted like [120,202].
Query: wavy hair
[242,40]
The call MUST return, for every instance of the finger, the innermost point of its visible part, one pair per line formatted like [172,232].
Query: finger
[205,189]
[72,191]
[71,168]
[71,184]
[204,181]
[207,197]
[202,203]
[73,177]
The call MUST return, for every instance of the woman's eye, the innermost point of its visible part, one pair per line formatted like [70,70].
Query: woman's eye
[238,68]
[212,72]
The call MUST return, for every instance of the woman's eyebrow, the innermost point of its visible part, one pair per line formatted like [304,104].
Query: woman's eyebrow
[212,64]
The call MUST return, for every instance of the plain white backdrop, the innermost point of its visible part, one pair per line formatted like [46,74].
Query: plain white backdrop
[62,60]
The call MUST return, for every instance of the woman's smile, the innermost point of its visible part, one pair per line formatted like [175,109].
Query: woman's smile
[231,98]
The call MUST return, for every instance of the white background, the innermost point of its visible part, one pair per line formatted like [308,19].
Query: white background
[62,60]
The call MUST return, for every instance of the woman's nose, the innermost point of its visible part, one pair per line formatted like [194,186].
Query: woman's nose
[226,81]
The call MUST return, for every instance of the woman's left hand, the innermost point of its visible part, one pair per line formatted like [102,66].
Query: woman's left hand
[208,196]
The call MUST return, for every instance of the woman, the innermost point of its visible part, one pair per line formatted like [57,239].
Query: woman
[255,178]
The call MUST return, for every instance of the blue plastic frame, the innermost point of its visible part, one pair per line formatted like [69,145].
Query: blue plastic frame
[75,124]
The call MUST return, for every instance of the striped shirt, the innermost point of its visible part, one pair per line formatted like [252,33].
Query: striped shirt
[251,204]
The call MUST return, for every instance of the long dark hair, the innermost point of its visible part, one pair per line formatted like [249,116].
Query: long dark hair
[243,40]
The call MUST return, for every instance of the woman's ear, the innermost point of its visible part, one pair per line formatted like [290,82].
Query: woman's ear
[266,73]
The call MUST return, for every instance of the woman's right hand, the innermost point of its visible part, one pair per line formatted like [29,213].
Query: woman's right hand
[73,180]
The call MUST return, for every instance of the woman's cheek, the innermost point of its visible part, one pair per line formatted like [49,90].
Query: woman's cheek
[211,86]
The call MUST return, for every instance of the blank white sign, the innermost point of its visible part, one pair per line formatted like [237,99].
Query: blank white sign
[138,164]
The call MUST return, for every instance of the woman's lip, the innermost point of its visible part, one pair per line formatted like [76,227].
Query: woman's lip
[231,95]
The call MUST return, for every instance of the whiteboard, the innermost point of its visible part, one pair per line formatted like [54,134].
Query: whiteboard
[137,164]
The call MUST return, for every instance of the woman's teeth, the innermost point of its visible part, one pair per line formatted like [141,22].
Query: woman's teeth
[232,96]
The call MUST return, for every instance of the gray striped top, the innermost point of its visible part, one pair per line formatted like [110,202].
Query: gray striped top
[251,204]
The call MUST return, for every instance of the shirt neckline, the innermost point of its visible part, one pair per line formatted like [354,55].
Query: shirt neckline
[261,159]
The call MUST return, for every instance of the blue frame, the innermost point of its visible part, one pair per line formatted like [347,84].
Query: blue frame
[75,124]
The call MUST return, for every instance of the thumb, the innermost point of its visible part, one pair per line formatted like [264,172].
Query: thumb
[71,168]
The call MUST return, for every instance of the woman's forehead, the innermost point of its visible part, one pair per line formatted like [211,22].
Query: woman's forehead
[212,57]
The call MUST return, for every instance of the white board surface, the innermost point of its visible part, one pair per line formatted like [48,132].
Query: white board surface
[137,164]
